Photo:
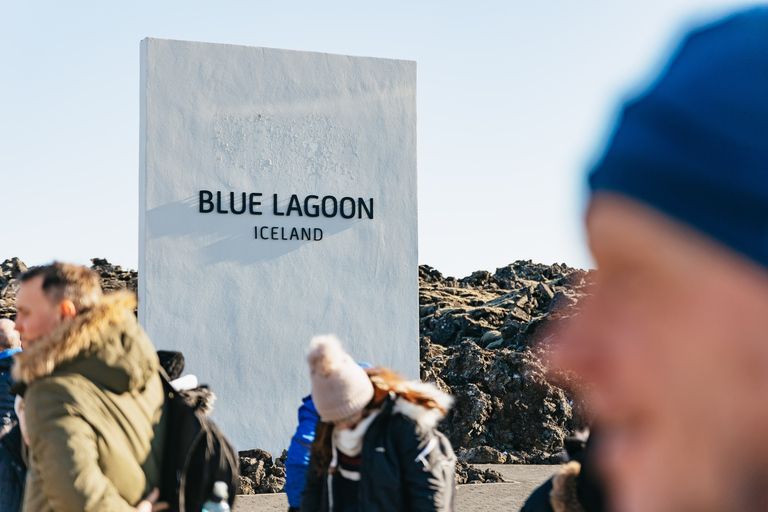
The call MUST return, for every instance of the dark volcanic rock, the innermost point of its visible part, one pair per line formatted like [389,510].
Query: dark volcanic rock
[112,278]
[259,474]
[483,455]
[505,409]
[466,474]
[513,302]
[10,270]
[481,340]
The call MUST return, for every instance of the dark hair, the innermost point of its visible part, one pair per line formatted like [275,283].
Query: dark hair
[172,362]
[65,281]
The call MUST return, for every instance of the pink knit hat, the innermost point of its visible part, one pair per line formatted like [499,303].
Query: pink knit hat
[340,387]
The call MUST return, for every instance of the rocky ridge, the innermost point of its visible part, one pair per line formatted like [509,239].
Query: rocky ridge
[483,338]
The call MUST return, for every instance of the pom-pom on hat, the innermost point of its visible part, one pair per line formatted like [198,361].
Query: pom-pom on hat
[340,387]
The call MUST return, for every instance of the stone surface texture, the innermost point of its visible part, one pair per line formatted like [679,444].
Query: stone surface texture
[279,139]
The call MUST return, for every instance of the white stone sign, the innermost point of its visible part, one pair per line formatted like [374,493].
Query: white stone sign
[277,201]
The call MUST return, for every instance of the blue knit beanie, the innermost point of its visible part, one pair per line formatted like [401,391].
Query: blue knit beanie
[695,145]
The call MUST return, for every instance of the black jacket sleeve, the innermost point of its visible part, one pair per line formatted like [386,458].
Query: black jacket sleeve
[428,466]
[313,497]
[538,501]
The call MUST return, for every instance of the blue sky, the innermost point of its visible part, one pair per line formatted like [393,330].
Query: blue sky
[515,100]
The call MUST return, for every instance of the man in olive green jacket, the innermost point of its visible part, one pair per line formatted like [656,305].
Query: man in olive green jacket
[93,403]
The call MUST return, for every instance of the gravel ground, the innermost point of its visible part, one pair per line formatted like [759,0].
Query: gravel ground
[522,480]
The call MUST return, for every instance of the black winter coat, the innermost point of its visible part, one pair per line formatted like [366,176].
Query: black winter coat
[13,470]
[7,415]
[575,488]
[405,465]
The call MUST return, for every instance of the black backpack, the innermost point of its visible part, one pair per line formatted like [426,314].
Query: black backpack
[196,455]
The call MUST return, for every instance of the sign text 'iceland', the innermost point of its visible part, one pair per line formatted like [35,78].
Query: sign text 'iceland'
[312,206]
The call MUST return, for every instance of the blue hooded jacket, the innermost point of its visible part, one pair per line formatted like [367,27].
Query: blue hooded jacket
[298,453]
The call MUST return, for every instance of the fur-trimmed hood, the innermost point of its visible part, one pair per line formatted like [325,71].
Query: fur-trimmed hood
[564,496]
[426,417]
[105,344]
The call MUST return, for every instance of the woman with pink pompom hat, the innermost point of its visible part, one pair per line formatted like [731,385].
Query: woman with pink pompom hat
[377,447]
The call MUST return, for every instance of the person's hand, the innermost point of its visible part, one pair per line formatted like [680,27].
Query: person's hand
[150,503]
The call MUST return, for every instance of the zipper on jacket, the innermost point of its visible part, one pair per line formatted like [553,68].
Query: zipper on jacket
[421,457]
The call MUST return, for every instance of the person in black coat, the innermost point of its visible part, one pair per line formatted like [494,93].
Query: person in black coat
[377,447]
[576,487]
[13,469]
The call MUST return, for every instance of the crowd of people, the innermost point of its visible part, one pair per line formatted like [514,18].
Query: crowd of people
[88,422]
[672,342]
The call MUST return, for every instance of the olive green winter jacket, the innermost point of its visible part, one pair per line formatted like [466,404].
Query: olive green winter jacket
[93,406]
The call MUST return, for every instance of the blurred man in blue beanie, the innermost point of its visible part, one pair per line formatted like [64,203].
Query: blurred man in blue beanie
[674,337]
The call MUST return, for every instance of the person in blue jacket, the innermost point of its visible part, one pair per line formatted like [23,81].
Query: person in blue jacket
[10,344]
[298,453]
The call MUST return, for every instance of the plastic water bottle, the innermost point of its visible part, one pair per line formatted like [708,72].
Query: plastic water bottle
[219,501]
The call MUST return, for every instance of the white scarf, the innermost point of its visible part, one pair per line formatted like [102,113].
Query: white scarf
[350,441]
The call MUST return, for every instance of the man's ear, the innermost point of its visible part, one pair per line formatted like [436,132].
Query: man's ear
[67,309]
